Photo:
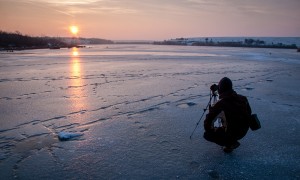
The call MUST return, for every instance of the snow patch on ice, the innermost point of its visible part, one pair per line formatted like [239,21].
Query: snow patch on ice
[64,136]
[186,105]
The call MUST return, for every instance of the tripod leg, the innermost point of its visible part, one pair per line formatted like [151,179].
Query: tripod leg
[204,110]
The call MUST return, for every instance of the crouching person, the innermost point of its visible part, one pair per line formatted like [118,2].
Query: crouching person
[233,113]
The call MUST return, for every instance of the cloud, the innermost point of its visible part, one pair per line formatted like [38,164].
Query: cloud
[238,6]
[75,7]
[45,6]
[69,2]
[114,10]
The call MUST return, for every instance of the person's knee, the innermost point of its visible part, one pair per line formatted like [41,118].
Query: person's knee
[208,136]
[218,138]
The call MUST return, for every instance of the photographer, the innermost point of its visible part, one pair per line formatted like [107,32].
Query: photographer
[233,113]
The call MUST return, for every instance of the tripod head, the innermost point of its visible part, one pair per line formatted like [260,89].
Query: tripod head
[214,93]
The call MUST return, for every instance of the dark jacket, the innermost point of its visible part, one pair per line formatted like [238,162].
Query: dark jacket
[237,112]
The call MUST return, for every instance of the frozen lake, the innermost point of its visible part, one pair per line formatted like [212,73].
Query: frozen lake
[136,106]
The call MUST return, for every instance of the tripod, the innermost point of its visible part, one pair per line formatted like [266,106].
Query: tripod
[213,95]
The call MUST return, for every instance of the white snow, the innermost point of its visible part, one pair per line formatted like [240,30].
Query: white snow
[64,136]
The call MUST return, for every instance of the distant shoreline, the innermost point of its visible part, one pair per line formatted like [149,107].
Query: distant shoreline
[227,42]
[16,42]
[154,43]
[39,47]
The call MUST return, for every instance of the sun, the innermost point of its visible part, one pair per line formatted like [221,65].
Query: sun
[74,30]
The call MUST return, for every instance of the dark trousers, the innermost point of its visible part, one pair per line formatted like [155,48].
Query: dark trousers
[220,137]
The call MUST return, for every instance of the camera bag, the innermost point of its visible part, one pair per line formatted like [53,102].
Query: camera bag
[254,122]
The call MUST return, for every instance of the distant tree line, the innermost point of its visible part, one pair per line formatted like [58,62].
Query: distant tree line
[209,42]
[18,41]
[166,42]
[255,42]
[95,41]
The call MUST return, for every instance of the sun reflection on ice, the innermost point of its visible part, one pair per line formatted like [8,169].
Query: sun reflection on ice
[76,84]
[75,52]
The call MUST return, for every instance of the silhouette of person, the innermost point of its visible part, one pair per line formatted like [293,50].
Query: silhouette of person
[232,112]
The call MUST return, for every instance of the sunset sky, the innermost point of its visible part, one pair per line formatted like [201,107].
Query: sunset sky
[151,19]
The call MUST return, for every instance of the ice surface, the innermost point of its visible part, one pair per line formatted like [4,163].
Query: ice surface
[137,106]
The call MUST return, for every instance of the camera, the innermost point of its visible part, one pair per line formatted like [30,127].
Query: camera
[214,88]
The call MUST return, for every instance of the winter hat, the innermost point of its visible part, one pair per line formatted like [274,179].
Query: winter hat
[224,85]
